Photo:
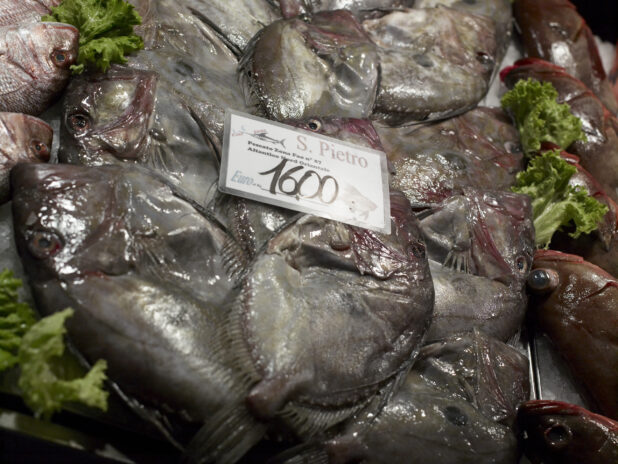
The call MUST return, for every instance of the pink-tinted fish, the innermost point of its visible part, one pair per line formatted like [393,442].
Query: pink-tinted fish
[14,12]
[34,65]
[23,138]
[613,75]
[560,433]
[599,154]
[576,304]
[554,31]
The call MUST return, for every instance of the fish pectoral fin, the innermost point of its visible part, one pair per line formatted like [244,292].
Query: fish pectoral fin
[458,260]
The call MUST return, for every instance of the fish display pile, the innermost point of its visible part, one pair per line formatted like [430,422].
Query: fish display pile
[228,323]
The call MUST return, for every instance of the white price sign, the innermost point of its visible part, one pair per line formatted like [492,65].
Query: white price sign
[284,166]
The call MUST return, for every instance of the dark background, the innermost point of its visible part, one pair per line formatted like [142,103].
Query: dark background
[602,17]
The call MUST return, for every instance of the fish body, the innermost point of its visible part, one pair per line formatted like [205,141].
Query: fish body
[554,31]
[34,65]
[23,139]
[562,433]
[599,153]
[480,247]
[576,304]
[456,405]
[479,148]
[434,63]
[13,12]
[145,273]
[322,65]
[290,8]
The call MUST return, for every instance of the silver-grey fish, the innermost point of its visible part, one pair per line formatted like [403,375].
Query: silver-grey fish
[480,248]
[23,138]
[145,272]
[440,413]
[34,65]
[290,8]
[323,65]
[327,315]
[434,63]
[14,12]
[432,162]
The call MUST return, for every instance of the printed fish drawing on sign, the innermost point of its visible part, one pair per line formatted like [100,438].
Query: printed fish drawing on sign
[359,205]
[260,135]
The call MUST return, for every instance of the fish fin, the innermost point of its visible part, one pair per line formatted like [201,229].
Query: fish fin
[458,261]
[225,438]
[217,30]
[514,340]
[307,453]
[235,260]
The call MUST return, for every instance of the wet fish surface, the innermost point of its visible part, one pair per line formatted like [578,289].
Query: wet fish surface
[554,31]
[34,65]
[575,304]
[479,148]
[434,63]
[599,154]
[23,139]
[144,271]
[562,433]
[323,65]
[290,8]
[457,405]
[480,248]
[13,12]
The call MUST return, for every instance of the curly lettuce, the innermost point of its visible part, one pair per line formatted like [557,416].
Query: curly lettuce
[36,347]
[105,31]
[539,117]
[555,203]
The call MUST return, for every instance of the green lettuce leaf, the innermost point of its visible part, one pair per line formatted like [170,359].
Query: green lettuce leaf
[539,117]
[43,391]
[105,28]
[555,203]
[15,319]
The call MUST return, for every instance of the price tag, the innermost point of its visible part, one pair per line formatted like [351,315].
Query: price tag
[284,166]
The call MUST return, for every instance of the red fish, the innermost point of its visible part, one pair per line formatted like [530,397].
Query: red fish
[576,304]
[554,31]
[562,433]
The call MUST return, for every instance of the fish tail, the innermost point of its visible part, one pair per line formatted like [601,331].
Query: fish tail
[310,453]
[225,438]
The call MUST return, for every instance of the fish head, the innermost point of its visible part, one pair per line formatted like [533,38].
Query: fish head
[502,235]
[324,64]
[53,49]
[25,138]
[356,131]
[558,432]
[69,221]
[106,118]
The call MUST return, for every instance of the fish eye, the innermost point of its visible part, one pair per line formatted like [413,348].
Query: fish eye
[339,245]
[558,436]
[484,58]
[522,265]
[314,124]
[60,57]
[417,250]
[78,122]
[455,416]
[44,244]
[542,280]
[40,150]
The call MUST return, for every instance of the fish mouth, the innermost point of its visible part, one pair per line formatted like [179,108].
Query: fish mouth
[550,407]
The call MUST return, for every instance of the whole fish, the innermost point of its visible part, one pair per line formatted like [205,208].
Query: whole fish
[599,153]
[480,249]
[23,138]
[440,413]
[34,65]
[562,433]
[146,274]
[13,12]
[554,31]
[601,246]
[500,11]
[327,315]
[322,65]
[434,63]
[576,304]
[479,148]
